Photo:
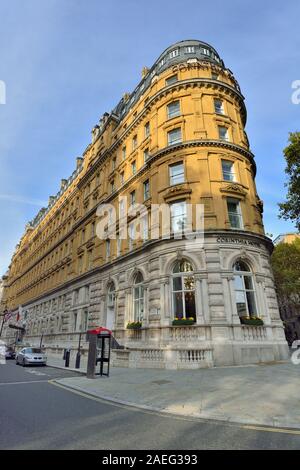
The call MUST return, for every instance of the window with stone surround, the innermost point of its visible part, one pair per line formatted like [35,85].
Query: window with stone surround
[138,297]
[147,129]
[173,109]
[183,290]
[228,170]
[174,136]
[176,173]
[178,212]
[172,79]
[244,290]
[234,213]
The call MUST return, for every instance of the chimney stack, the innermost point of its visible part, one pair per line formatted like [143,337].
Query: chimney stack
[63,183]
[79,161]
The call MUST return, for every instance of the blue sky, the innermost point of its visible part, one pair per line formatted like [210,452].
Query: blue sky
[65,62]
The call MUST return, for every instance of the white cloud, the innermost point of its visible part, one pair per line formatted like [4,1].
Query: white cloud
[23,200]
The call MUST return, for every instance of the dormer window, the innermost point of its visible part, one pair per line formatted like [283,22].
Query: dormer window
[189,49]
[174,53]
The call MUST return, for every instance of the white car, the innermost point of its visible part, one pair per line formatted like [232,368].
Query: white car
[31,356]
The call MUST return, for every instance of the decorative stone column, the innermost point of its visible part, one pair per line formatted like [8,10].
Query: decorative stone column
[262,307]
[128,306]
[215,286]
[229,299]
[165,310]
[200,298]
[102,312]
[146,304]
[116,319]
[230,305]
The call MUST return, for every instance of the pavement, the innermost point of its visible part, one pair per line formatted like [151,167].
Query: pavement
[38,414]
[266,394]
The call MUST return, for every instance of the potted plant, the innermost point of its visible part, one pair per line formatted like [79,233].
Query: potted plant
[183,321]
[134,325]
[252,321]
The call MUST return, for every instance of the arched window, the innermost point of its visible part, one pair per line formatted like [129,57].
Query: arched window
[138,297]
[244,290]
[110,307]
[111,295]
[183,290]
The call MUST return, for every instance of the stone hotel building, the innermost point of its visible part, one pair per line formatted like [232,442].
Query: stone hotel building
[179,139]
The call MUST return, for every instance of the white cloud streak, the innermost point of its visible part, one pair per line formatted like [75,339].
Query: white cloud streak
[23,200]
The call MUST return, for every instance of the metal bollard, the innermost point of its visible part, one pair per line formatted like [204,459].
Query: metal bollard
[67,362]
[77,363]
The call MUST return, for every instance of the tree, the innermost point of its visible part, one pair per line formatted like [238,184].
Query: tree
[290,209]
[286,267]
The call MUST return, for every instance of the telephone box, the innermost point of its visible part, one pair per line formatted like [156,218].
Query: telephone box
[99,351]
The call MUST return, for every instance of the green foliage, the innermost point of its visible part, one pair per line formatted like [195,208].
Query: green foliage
[252,321]
[182,322]
[135,325]
[290,209]
[286,267]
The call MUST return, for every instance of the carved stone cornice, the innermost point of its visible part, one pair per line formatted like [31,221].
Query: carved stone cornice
[178,190]
[86,202]
[260,278]
[194,82]
[95,194]
[233,188]
[200,276]
[90,244]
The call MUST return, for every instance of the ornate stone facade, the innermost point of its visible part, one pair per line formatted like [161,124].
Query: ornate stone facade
[178,138]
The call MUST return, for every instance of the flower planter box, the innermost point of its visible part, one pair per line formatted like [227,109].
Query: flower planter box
[134,325]
[252,321]
[186,322]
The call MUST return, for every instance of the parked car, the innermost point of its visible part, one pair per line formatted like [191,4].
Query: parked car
[9,353]
[30,356]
